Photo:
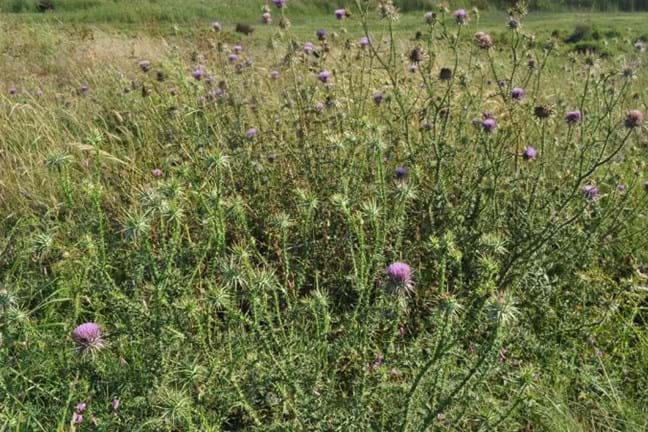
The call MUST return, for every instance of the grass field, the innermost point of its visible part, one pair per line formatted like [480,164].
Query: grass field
[431,229]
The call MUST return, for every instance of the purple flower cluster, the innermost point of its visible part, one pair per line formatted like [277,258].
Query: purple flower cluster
[88,337]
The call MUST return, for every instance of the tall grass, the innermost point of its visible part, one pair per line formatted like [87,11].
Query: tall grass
[240,279]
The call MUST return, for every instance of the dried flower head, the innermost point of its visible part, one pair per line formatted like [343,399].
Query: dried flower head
[634,119]
[483,40]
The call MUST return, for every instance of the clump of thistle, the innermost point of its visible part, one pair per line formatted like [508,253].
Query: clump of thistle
[88,337]
[399,279]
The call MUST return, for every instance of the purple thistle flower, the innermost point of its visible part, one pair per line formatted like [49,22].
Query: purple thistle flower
[80,407]
[145,65]
[266,18]
[13,90]
[530,153]
[77,419]
[238,48]
[216,26]
[84,89]
[621,188]
[590,192]
[430,17]
[573,117]
[198,73]
[399,277]
[279,3]
[308,48]
[364,42]
[232,58]
[319,107]
[401,173]
[324,76]
[115,404]
[274,74]
[378,98]
[88,337]
[341,14]
[517,93]
[461,16]
[157,173]
[321,34]
[251,133]
[489,125]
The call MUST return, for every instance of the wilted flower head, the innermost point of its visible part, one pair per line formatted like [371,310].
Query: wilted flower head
[279,3]
[266,18]
[341,14]
[483,40]
[216,26]
[573,117]
[309,48]
[251,133]
[461,16]
[517,93]
[590,192]
[543,111]
[430,17]
[513,23]
[530,153]
[364,42]
[324,76]
[84,89]
[416,55]
[321,34]
[388,10]
[401,173]
[115,404]
[88,337]
[634,119]
[445,74]
[145,65]
[399,276]
[489,125]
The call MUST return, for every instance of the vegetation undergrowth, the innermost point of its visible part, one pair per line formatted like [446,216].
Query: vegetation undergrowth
[444,232]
